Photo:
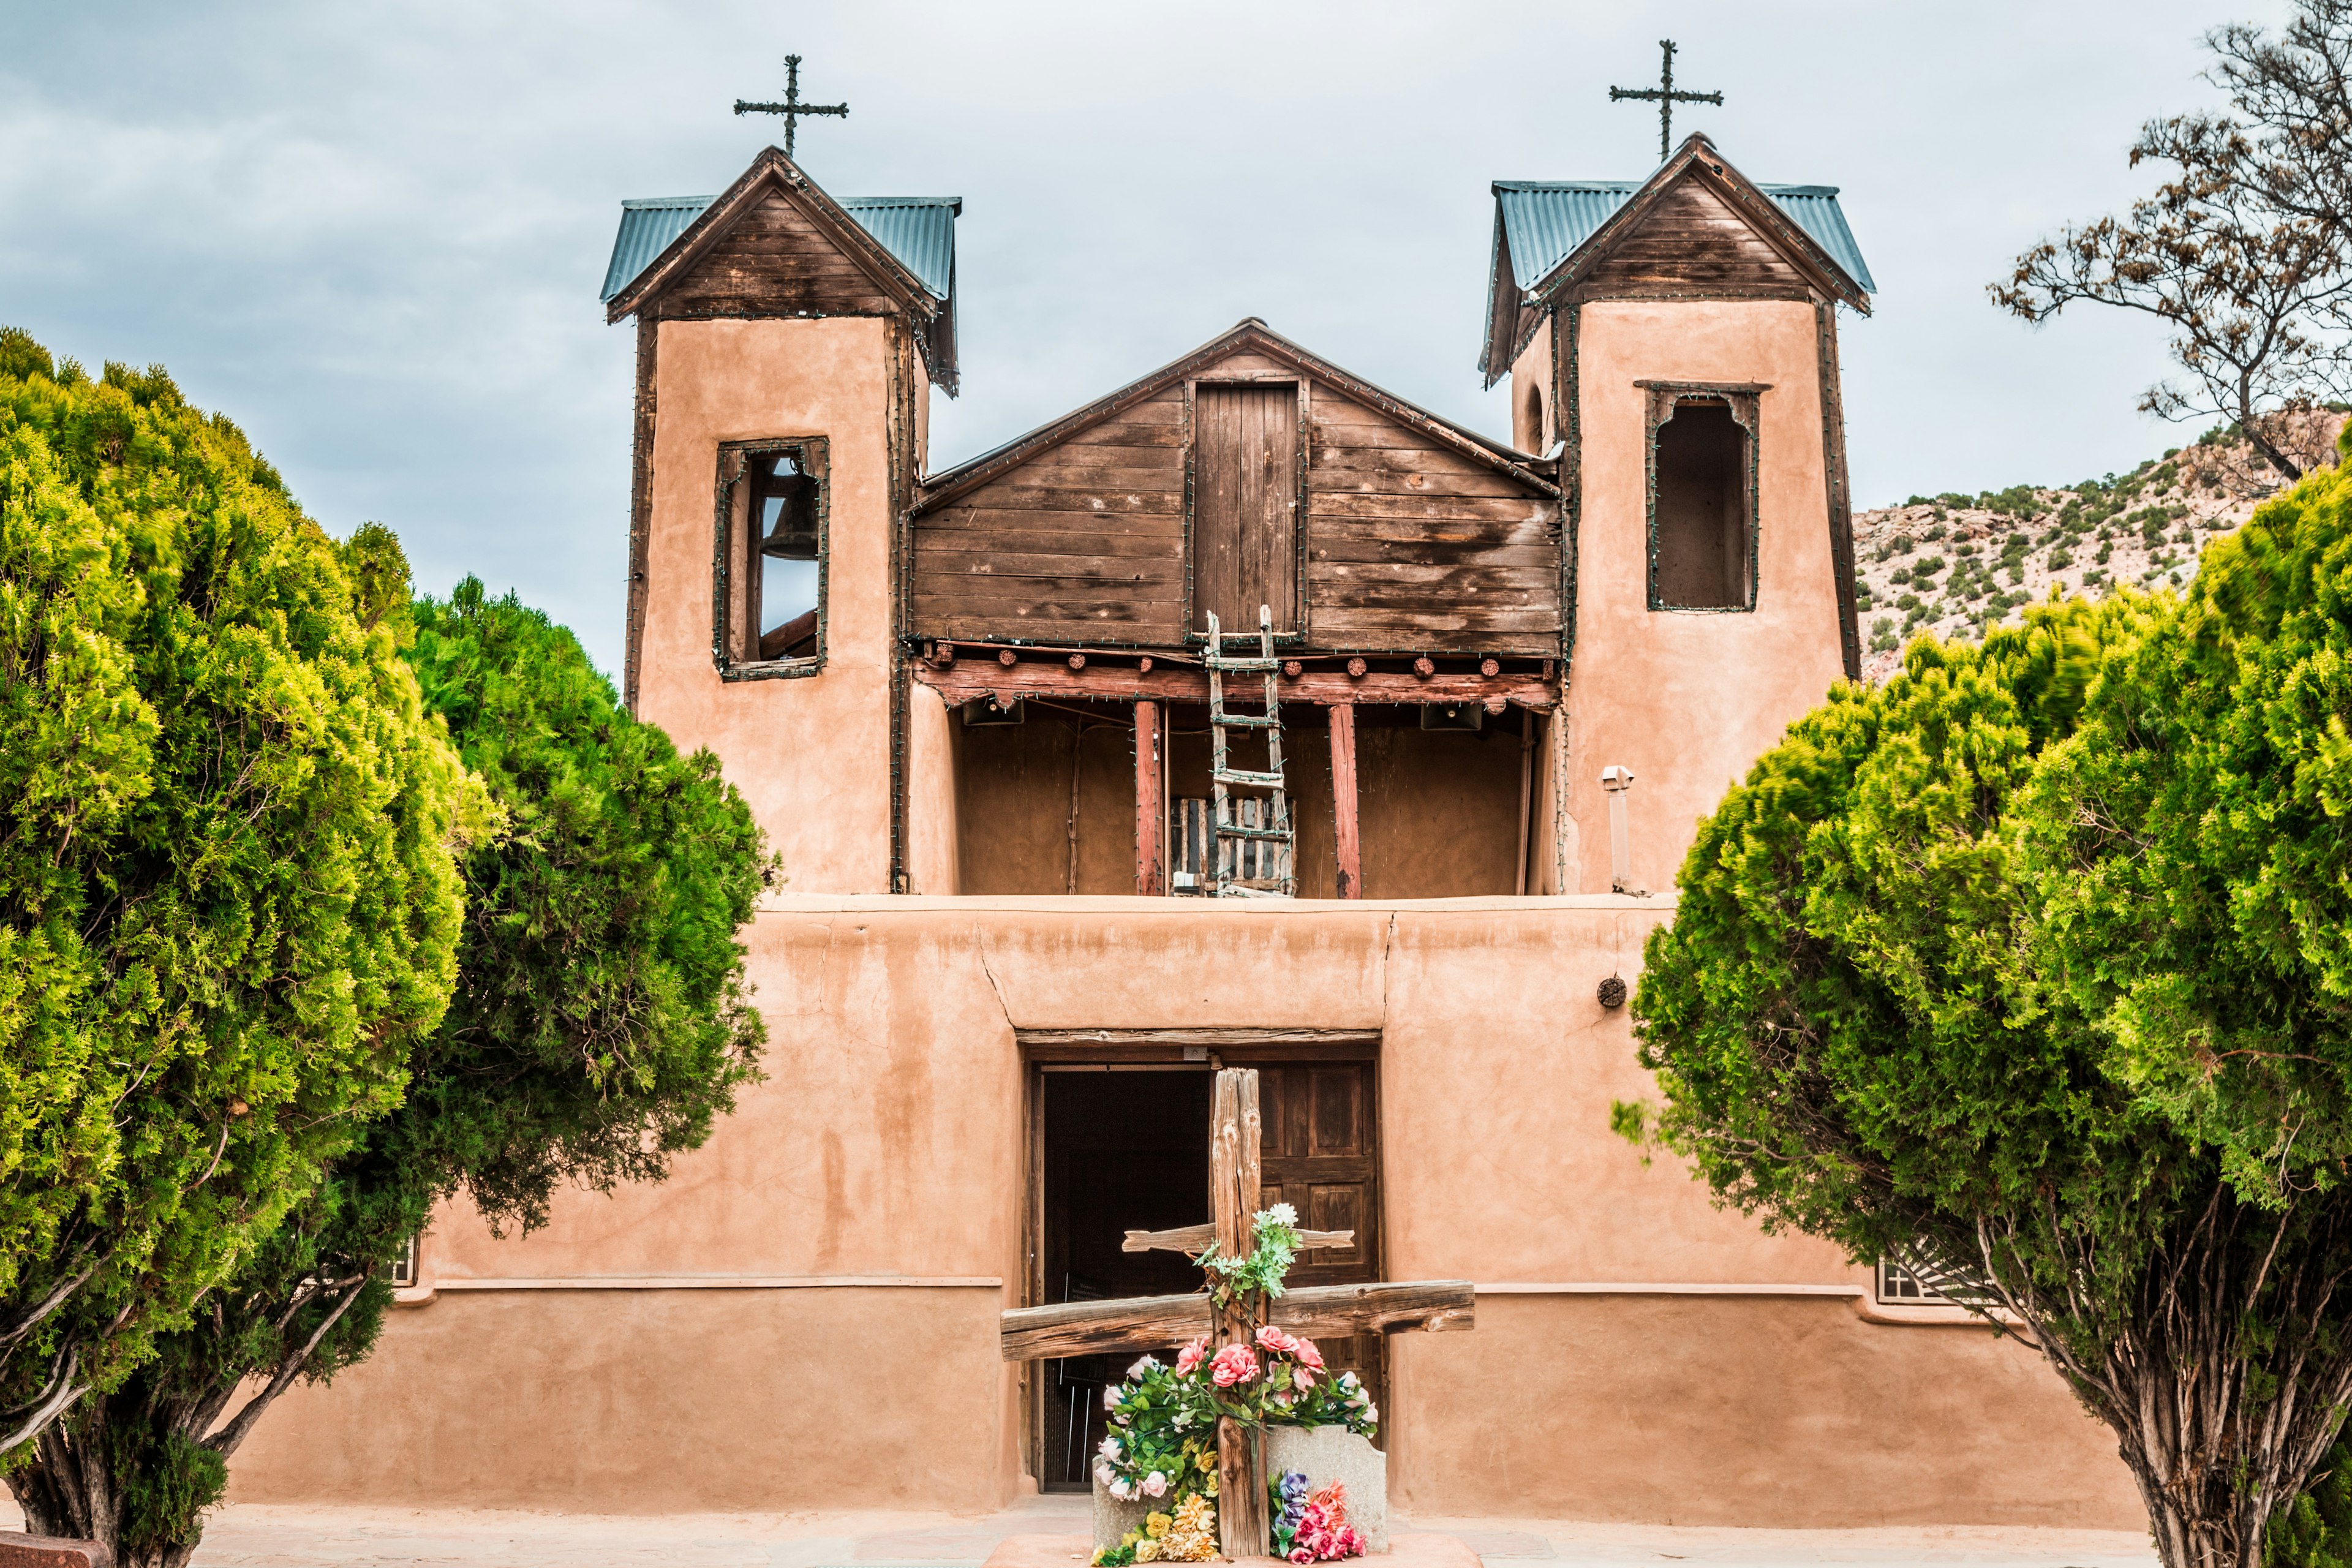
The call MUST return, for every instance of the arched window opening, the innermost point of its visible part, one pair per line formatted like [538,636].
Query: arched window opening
[1527,432]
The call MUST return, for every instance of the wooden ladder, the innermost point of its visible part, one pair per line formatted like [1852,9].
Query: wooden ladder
[1233,839]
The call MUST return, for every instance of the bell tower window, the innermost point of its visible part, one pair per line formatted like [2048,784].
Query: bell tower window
[770,577]
[1702,497]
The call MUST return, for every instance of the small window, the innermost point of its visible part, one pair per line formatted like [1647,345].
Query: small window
[403,1267]
[1897,1284]
[1530,431]
[1702,500]
[770,582]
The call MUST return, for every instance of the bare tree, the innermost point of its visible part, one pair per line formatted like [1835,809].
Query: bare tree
[2247,252]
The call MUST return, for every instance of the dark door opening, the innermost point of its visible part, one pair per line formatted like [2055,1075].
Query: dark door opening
[1124,1150]
[1701,542]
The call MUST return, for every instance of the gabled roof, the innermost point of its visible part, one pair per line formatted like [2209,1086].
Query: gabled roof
[1544,228]
[1249,335]
[906,243]
[918,230]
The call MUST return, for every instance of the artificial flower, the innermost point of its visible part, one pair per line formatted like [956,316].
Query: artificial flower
[1155,1525]
[1234,1364]
[1270,1338]
[1155,1484]
[1281,1214]
[1302,1378]
[1147,1364]
[1109,1449]
[1192,1356]
[1304,1352]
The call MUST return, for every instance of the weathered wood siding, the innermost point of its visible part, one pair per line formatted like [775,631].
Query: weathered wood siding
[1409,545]
[1412,545]
[774,261]
[1692,240]
[1084,542]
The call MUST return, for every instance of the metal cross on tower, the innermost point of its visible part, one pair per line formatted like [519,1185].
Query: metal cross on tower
[1665,97]
[792,109]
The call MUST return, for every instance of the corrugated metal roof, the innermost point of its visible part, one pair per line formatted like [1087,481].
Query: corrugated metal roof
[918,230]
[1546,220]
[647,228]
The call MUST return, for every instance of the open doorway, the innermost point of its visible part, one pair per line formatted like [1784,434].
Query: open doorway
[1126,1147]
[1124,1150]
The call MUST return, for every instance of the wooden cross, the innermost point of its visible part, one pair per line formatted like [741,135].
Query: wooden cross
[1665,97]
[1144,1322]
[792,109]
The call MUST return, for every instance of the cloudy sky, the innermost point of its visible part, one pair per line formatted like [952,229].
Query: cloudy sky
[374,235]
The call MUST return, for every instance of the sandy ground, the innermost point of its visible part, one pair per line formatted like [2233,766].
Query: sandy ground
[258,1536]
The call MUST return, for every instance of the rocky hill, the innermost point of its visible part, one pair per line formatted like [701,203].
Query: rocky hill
[1957,564]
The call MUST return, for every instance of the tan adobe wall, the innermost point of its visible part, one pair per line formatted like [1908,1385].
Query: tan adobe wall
[804,1315]
[812,754]
[1688,699]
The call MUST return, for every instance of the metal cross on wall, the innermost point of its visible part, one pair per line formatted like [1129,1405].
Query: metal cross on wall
[1665,97]
[1147,1322]
[792,109]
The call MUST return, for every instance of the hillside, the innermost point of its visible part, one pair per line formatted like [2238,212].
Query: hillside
[1957,564]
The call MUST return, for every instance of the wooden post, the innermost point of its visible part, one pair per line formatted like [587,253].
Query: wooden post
[1234,1184]
[1343,800]
[1151,818]
[1526,791]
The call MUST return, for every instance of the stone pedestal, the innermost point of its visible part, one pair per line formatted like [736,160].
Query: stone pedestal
[1327,1454]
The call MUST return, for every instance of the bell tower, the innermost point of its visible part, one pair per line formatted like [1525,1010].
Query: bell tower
[787,344]
[1675,342]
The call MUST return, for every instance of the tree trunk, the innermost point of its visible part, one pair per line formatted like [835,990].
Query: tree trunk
[67,1489]
[73,1486]
[2224,1374]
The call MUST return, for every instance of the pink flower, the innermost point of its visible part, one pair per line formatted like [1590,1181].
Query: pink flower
[1188,1359]
[1274,1340]
[1234,1364]
[1302,1378]
[1306,1354]
[1301,1555]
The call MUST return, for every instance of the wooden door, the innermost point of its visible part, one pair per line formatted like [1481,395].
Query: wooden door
[1319,1152]
[1246,504]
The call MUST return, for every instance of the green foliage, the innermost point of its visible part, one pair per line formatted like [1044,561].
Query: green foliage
[2317,1532]
[600,1023]
[2198,878]
[228,905]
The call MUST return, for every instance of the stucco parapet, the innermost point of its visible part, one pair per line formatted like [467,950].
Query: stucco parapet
[1206,909]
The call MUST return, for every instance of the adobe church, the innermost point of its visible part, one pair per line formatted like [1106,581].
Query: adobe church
[1250,715]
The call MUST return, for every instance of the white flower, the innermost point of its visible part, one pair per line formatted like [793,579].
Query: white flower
[1110,1399]
[1372,1412]
[1155,1484]
[1105,1475]
[1109,1449]
[1123,1490]
[1281,1214]
[1149,1363]
[1347,1380]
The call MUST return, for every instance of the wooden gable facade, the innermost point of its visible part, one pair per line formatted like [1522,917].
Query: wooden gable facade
[1248,473]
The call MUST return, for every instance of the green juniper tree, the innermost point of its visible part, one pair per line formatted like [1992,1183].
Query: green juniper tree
[228,898]
[2030,969]
[600,1023]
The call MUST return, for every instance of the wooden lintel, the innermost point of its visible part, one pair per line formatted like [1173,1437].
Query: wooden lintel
[1193,1238]
[1141,1323]
[1214,1038]
[965,681]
